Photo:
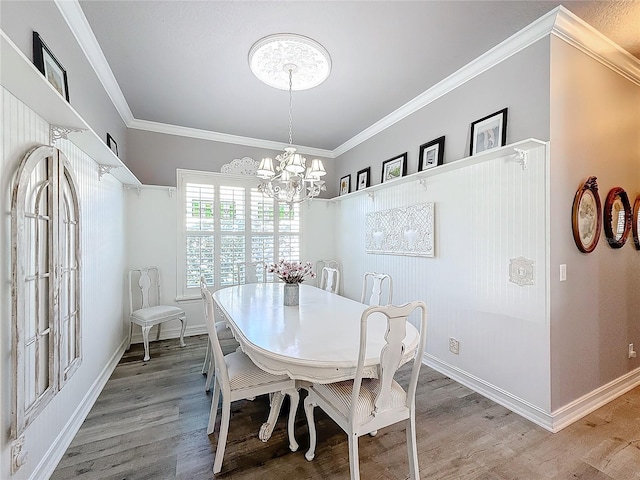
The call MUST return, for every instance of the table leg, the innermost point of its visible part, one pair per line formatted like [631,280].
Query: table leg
[267,428]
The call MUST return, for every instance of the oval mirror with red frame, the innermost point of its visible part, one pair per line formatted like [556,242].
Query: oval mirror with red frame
[586,216]
[617,217]
[635,226]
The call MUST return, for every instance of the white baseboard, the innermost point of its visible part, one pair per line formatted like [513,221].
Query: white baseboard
[586,404]
[553,422]
[59,446]
[169,332]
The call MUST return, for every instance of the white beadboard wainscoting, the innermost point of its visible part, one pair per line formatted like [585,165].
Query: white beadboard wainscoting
[488,210]
[102,262]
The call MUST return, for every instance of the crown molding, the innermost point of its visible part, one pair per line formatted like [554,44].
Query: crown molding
[559,22]
[79,26]
[165,128]
[580,34]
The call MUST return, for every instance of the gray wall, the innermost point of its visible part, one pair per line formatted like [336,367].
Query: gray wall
[86,94]
[154,157]
[520,83]
[595,314]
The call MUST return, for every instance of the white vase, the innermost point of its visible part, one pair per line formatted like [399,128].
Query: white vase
[291,294]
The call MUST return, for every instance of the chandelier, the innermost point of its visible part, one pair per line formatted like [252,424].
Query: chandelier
[274,60]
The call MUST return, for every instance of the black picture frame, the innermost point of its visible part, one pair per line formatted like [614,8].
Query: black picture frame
[49,66]
[363,178]
[489,132]
[393,168]
[111,143]
[345,185]
[431,154]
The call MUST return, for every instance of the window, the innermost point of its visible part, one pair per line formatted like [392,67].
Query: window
[46,299]
[227,222]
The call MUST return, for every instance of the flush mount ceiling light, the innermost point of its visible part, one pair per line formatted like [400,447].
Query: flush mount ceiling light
[269,57]
[274,60]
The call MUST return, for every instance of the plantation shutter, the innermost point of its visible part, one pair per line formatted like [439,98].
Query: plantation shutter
[200,239]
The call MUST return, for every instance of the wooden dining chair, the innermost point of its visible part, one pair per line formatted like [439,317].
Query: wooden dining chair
[377,282]
[238,378]
[146,308]
[330,279]
[364,405]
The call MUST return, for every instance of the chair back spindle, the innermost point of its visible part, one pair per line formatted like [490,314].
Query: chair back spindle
[330,280]
[377,287]
[390,355]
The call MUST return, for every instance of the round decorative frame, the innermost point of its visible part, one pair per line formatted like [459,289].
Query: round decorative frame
[271,58]
[586,216]
[635,225]
[617,209]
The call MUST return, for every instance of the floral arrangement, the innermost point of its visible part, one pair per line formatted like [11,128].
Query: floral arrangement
[291,272]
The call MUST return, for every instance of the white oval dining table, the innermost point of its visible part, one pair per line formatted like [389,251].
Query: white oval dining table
[316,341]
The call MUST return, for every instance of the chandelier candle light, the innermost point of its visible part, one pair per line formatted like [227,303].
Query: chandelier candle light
[292,274]
[274,60]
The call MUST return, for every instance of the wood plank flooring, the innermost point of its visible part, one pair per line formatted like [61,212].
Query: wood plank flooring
[150,423]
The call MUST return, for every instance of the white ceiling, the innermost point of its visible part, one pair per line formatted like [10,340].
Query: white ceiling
[185,62]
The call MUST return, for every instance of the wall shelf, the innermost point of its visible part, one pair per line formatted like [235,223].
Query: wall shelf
[20,77]
[517,150]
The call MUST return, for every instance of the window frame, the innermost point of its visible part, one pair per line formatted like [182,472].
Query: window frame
[218,180]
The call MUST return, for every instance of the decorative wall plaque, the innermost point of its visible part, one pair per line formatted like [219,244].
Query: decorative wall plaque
[401,231]
[521,271]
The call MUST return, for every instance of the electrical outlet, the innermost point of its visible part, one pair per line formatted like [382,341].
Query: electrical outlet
[632,352]
[454,345]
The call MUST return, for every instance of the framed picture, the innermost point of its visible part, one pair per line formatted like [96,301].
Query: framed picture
[586,216]
[617,217]
[393,168]
[489,132]
[363,179]
[345,185]
[635,223]
[111,143]
[49,66]
[431,154]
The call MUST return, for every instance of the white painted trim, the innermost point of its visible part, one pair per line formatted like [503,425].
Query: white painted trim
[584,37]
[59,446]
[586,404]
[553,422]
[165,128]
[170,333]
[559,22]
[77,22]
[512,45]
[502,397]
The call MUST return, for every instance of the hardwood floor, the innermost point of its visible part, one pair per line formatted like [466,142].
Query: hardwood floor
[150,423]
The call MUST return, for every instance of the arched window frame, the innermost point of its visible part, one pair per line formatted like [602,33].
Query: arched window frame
[46,267]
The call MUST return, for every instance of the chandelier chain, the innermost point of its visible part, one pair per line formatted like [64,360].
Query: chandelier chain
[290,106]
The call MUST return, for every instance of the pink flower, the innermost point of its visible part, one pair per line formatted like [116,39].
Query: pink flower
[291,272]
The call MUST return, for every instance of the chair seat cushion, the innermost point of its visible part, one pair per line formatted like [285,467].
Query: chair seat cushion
[243,373]
[339,395]
[154,313]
